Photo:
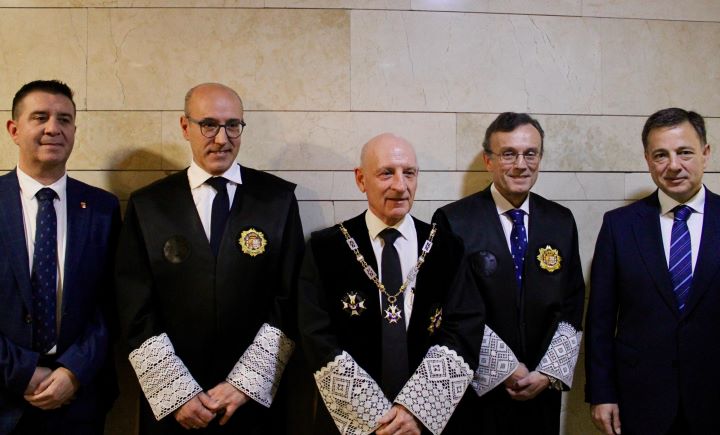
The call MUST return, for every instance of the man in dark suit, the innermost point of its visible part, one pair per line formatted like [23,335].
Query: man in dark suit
[56,239]
[523,255]
[393,347]
[652,322]
[206,269]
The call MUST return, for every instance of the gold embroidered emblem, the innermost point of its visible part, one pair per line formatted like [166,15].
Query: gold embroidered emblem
[252,242]
[549,258]
[353,304]
[435,321]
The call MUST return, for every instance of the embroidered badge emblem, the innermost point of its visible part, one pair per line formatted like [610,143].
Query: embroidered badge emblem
[435,321]
[549,258]
[353,304]
[393,313]
[176,249]
[252,242]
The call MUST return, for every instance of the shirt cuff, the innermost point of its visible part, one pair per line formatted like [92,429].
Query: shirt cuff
[562,354]
[496,363]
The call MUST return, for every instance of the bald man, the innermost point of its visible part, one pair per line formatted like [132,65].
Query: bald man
[207,264]
[377,313]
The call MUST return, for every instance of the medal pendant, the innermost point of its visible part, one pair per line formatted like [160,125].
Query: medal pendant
[393,313]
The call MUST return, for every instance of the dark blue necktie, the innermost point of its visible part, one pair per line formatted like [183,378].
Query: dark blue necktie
[394,336]
[220,212]
[680,263]
[43,278]
[518,243]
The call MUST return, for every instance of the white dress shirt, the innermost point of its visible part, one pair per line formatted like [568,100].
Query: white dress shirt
[29,187]
[694,222]
[204,194]
[503,206]
[407,248]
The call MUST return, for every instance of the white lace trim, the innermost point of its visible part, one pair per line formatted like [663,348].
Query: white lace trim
[562,354]
[164,379]
[497,363]
[258,371]
[435,389]
[354,399]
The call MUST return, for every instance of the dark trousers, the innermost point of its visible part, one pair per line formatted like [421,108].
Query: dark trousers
[59,421]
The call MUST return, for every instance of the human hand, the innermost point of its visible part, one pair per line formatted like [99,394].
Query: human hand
[606,417]
[38,376]
[529,386]
[520,372]
[197,412]
[57,389]
[398,421]
[228,398]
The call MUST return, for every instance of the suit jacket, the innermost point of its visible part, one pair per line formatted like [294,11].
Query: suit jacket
[641,352]
[331,332]
[540,323]
[93,218]
[209,310]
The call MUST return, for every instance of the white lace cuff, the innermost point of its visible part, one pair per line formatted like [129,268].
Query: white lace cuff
[257,373]
[435,389]
[497,363]
[354,400]
[560,359]
[164,379]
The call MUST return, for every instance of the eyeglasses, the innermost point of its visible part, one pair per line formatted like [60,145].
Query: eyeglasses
[510,157]
[210,129]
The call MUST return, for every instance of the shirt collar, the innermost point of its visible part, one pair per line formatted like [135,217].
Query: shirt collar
[29,186]
[197,175]
[697,202]
[375,225]
[503,205]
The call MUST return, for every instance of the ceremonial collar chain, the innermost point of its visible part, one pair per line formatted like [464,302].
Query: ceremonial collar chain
[374,276]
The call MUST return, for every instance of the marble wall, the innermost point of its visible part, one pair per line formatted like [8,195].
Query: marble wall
[320,77]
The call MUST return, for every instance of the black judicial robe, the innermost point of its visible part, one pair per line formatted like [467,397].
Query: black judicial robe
[330,272]
[169,281]
[528,325]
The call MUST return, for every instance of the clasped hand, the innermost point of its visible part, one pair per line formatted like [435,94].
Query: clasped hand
[51,389]
[199,411]
[525,385]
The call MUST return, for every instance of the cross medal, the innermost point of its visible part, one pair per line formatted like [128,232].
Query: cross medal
[393,313]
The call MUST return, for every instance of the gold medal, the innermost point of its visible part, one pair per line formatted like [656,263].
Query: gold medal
[252,242]
[435,321]
[549,258]
[353,304]
[393,313]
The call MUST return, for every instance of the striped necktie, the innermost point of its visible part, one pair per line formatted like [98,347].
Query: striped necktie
[680,263]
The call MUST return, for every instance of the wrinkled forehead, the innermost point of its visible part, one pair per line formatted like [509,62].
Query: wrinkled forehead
[215,102]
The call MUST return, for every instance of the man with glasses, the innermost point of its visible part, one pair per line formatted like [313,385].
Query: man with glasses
[523,252]
[207,264]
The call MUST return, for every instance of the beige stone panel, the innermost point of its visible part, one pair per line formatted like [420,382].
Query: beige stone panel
[342,4]
[650,65]
[316,215]
[688,10]
[549,7]
[117,140]
[121,183]
[323,140]
[311,185]
[56,49]
[559,186]
[274,58]
[421,61]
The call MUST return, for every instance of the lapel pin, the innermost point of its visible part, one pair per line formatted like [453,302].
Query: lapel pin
[83,204]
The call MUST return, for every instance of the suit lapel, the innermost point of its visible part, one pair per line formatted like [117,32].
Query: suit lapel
[708,261]
[79,210]
[13,236]
[648,236]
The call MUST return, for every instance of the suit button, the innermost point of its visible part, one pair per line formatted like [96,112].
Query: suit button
[28,318]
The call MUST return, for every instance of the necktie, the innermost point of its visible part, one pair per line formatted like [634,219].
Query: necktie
[518,243]
[220,212]
[681,255]
[43,278]
[394,336]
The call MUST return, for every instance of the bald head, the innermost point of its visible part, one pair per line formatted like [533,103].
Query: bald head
[205,88]
[388,176]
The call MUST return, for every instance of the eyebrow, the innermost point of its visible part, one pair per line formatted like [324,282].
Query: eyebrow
[45,112]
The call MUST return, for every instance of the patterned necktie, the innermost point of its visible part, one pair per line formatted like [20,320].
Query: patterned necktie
[518,243]
[680,263]
[394,336]
[43,278]
[220,212]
